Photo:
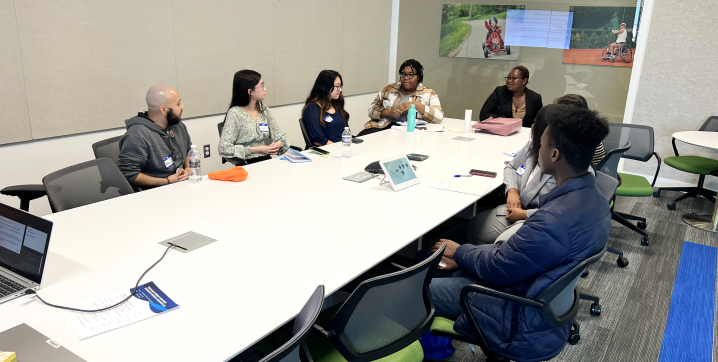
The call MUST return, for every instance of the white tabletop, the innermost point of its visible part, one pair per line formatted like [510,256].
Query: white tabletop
[698,138]
[283,231]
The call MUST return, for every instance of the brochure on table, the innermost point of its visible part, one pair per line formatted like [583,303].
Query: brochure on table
[148,302]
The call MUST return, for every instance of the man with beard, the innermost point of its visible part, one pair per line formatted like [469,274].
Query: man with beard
[153,151]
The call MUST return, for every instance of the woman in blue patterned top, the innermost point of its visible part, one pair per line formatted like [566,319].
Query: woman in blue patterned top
[250,131]
[323,114]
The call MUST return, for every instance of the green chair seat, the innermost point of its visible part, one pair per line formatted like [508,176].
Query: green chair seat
[632,185]
[323,351]
[693,164]
[444,325]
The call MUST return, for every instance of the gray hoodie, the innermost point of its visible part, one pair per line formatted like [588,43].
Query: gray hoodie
[145,146]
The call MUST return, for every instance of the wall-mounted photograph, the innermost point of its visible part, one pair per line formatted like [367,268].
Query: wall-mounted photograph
[476,31]
[603,36]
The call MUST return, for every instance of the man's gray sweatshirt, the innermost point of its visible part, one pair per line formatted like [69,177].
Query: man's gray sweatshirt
[145,146]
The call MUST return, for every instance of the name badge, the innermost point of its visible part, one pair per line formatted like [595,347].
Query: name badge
[168,161]
[264,127]
[520,171]
[328,118]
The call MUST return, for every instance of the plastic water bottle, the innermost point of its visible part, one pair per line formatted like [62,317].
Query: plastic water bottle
[346,143]
[195,170]
[411,119]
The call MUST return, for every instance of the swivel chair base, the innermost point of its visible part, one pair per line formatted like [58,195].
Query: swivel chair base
[689,192]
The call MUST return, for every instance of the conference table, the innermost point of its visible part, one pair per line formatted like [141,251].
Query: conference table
[708,222]
[286,229]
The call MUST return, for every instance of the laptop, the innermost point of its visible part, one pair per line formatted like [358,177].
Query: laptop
[30,345]
[24,239]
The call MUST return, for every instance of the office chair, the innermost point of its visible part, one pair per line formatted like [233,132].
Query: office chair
[109,148]
[85,183]
[299,329]
[641,138]
[558,305]
[383,317]
[701,166]
[307,140]
[236,160]
[609,166]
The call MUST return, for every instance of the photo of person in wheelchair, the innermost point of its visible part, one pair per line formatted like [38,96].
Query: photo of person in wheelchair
[494,41]
[620,48]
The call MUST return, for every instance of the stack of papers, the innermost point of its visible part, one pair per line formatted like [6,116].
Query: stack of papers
[148,302]
[295,157]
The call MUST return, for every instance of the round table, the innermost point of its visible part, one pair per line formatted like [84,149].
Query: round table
[707,222]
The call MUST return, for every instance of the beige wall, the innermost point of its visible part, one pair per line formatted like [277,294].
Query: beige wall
[463,83]
[75,66]
[677,90]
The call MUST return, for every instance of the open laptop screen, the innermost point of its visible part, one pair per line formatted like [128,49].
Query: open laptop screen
[24,239]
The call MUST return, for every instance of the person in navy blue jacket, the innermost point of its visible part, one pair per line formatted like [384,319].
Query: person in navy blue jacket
[323,114]
[572,223]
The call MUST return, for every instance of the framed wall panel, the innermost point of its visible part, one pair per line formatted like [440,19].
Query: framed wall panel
[88,63]
[213,41]
[367,29]
[14,120]
[308,38]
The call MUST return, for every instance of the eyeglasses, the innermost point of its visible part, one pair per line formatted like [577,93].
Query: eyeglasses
[513,79]
[260,86]
[404,75]
[337,87]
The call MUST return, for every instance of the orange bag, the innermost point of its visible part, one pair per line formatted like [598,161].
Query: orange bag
[236,174]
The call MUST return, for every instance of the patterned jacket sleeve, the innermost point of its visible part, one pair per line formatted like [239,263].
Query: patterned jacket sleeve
[133,156]
[377,106]
[432,111]
[230,132]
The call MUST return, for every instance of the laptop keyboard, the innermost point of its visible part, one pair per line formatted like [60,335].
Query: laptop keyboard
[7,286]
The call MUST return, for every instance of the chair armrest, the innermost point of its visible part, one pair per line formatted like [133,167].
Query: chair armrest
[675,150]
[658,168]
[24,190]
[473,288]
[320,332]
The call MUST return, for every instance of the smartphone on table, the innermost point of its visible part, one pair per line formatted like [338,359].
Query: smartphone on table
[476,172]
[320,151]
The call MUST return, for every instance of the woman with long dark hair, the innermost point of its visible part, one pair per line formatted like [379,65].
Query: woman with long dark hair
[323,115]
[250,131]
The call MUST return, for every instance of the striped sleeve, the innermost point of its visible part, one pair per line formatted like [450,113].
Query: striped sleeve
[433,112]
[599,154]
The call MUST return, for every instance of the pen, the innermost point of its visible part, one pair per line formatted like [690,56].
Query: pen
[462,175]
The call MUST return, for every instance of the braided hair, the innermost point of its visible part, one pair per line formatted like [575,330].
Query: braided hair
[415,65]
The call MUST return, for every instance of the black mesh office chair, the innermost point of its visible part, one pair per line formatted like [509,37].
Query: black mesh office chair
[701,166]
[641,138]
[84,184]
[609,166]
[109,148]
[307,140]
[384,316]
[558,305]
[299,329]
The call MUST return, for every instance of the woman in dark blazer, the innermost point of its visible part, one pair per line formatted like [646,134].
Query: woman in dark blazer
[513,100]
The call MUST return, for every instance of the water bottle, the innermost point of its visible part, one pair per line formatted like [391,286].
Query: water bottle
[346,143]
[411,119]
[195,171]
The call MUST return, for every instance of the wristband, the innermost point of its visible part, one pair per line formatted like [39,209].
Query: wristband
[168,180]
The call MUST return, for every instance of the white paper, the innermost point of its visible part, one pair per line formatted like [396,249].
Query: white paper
[148,302]
[472,187]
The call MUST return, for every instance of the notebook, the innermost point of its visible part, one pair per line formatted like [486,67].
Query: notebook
[295,157]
